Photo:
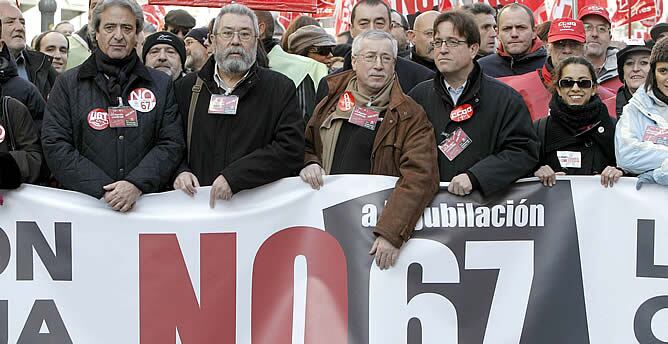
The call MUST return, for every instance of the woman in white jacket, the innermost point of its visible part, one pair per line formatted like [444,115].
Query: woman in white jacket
[641,138]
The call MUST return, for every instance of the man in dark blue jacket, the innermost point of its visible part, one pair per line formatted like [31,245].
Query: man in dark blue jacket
[111,127]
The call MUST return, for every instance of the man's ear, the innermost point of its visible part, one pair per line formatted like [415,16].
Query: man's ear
[262,27]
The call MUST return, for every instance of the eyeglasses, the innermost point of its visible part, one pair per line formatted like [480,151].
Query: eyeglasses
[450,43]
[395,25]
[177,30]
[371,58]
[601,29]
[244,35]
[324,51]
[569,83]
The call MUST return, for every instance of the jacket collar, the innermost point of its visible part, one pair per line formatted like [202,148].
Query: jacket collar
[9,71]
[208,70]
[422,61]
[536,47]
[546,72]
[472,86]
[88,69]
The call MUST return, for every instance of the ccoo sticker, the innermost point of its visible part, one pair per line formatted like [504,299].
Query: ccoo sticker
[2,134]
[98,119]
[461,113]
[142,99]
[346,101]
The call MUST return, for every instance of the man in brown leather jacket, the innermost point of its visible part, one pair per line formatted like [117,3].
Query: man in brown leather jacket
[367,125]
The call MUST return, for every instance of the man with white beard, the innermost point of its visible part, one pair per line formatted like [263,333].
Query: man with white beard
[243,126]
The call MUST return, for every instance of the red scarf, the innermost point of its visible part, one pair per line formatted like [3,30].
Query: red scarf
[546,76]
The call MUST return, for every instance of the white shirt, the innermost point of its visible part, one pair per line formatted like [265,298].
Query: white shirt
[223,85]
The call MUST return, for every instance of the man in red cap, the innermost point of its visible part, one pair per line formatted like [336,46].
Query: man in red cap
[597,47]
[565,39]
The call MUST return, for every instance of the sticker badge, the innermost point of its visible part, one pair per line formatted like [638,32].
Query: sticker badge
[455,143]
[2,134]
[461,113]
[656,135]
[346,101]
[142,99]
[364,117]
[223,105]
[122,117]
[98,119]
[568,159]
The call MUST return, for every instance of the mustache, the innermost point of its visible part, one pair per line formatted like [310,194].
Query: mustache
[234,50]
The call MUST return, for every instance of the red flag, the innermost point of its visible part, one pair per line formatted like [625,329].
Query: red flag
[309,6]
[562,9]
[639,10]
[342,15]
[154,15]
[444,5]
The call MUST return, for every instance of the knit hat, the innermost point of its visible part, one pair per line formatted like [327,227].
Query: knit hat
[199,34]
[164,37]
[566,28]
[659,52]
[625,53]
[657,30]
[309,36]
[179,18]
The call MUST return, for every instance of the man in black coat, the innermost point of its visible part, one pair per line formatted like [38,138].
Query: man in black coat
[22,90]
[31,65]
[482,126]
[243,126]
[376,14]
[111,127]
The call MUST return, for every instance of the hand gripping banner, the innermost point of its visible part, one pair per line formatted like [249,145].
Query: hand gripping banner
[574,263]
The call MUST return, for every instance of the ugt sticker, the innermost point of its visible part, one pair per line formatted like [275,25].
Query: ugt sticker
[98,119]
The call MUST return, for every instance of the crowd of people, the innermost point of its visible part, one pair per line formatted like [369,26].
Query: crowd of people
[471,96]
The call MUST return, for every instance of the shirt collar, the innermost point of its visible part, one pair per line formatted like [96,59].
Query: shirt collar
[219,80]
[451,89]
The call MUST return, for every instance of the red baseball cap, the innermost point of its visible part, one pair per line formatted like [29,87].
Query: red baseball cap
[566,28]
[595,10]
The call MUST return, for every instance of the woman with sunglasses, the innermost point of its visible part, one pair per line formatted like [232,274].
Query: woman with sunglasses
[641,142]
[577,136]
[313,42]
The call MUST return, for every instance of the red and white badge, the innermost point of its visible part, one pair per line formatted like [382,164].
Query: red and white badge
[142,99]
[98,119]
[568,159]
[223,105]
[122,117]
[346,101]
[455,143]
[656,135]
[461,113]
[2,134]
[364,117]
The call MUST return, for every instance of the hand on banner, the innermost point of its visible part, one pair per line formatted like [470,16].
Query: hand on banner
[386,253]
[610,176]
[121,195]
[187,182]
[220,189]
[547,176]
[460,185]
[312,174]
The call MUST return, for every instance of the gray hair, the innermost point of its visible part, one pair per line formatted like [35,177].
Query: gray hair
[102,6]
[374,35]
[236,9]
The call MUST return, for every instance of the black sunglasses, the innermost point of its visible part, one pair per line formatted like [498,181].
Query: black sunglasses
[568,83]
[324,51]
[181,30]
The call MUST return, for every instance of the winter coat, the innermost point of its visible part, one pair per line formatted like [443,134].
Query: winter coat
[85,154]
[503,64]
[634,153]
[403,147]
[21,164]
[504,146]
[263,142]
[22,90]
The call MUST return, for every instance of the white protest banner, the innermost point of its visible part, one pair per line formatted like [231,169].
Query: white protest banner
[574,263]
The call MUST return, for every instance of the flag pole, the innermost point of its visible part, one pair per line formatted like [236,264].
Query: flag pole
[575,9]
[630,17]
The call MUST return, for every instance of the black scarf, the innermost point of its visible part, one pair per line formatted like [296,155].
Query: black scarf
[577,117]
[118,71]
